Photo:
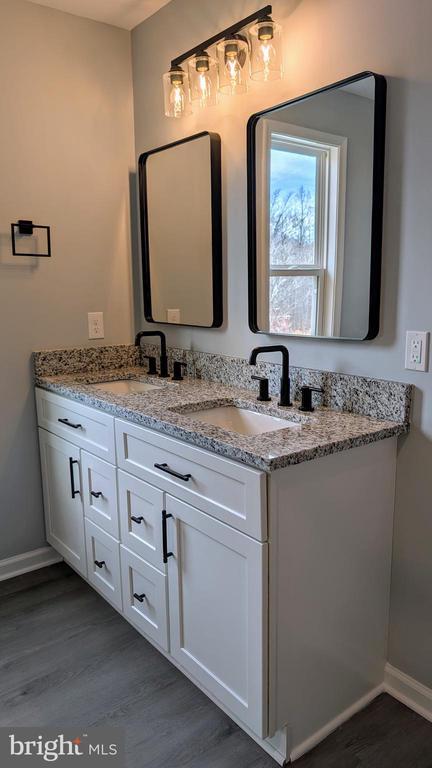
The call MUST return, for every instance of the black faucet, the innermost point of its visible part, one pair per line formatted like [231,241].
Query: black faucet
[163,355]
[285,380]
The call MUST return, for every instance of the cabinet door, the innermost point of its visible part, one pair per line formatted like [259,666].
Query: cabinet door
[103,562]
[218,610]
[140,509]
[64,516]
[145,600]
[100,493]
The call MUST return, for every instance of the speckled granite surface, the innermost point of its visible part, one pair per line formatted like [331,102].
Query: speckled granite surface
[377,398]
[170,409]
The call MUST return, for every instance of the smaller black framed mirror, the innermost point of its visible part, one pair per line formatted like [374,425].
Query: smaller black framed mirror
[315,205]
[181,232]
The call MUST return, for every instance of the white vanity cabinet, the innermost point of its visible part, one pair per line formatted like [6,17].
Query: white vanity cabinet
[218,610]
[270,592]
[64,521]
[175,541]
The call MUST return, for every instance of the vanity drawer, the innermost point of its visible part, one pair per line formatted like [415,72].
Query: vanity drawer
[145,598]
[140,511]
[100,493]
[103,563]
[224,489]
[86,427]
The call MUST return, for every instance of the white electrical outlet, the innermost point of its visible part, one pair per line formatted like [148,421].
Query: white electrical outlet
[95,325]
[417,350]
[173,315]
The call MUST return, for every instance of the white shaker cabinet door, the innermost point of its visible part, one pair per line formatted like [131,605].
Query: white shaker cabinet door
[103,562]
[64,517]
[100,493]
[218,610]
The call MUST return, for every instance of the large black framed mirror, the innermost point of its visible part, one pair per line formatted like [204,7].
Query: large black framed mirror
[315,203]
[181,231]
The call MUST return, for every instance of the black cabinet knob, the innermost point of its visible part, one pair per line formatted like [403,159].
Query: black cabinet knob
[96,494]
[140,598]
[137,520]
[99,563]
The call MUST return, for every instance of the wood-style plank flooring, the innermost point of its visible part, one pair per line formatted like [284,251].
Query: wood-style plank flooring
[68,659]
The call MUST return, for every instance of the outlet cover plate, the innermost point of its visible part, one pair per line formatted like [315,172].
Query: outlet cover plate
[417,350]
[95,325]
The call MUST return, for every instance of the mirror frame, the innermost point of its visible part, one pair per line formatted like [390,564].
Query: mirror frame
[376,213]
[216,205]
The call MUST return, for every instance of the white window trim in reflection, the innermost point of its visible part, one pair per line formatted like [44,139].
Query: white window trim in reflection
[331,153]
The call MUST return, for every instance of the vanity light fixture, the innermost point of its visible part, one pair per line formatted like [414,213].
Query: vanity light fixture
[266,54]
[233,58]
[241,52]
[204,79]
[176,92]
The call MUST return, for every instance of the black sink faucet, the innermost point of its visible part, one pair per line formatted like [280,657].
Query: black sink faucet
[163,355]
[285,380]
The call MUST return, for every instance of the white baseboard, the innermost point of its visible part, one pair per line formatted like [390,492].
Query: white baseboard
[28,561]
[397,684]
[408,691]
[331,726]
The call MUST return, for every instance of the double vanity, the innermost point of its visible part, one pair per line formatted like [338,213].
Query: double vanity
[241,529]
[249,542]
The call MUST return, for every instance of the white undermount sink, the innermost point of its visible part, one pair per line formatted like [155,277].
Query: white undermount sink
[241,420]
[124,387]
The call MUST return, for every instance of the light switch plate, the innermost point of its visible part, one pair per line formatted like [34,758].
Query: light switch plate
[417,350]
[95,325]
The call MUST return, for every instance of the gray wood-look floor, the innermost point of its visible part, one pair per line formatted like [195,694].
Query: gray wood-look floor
[68,659]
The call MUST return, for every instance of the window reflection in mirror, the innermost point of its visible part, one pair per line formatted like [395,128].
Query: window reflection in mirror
[312,173]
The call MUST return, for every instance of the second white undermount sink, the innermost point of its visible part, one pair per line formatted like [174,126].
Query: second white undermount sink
[241,420]
[124,387]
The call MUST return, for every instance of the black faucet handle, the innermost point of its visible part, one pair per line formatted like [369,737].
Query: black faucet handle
[306,398]
[177,370]
[152,370]
[263,387]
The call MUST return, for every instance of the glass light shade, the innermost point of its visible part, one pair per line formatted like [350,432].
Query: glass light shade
[266,51]
[233,61]
[204,79]
[176,93]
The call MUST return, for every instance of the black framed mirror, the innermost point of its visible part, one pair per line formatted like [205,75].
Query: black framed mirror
[315,200]
[181,231]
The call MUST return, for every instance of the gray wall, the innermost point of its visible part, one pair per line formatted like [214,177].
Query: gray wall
[325,41]
[66,144]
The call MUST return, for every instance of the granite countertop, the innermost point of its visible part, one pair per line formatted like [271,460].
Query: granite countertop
[169,410]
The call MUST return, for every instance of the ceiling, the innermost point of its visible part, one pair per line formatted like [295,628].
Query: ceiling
[120,13]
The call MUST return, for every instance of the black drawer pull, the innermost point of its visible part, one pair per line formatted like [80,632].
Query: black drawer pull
[96,494]
[72,461]
[99,563]
[70,423]
[137,519]
[166,468]
[139,597]
[165,553]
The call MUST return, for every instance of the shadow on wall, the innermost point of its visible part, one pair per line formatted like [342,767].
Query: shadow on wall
[20,472]
[396,130]
[136,268]
[9,262]
[410,634]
